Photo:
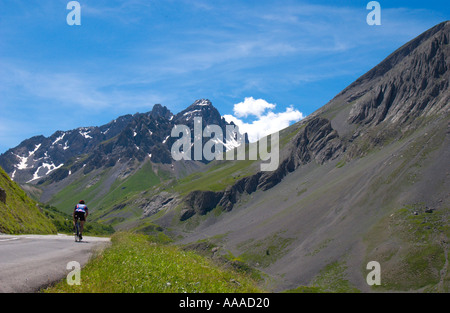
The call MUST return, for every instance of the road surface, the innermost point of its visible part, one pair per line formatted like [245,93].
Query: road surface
[30,262]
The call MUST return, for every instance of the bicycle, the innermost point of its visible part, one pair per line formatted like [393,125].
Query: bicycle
[77,230]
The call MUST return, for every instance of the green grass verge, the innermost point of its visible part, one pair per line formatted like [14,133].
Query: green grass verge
[133,264]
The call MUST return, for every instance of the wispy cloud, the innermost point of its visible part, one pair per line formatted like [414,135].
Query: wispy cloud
[72,89]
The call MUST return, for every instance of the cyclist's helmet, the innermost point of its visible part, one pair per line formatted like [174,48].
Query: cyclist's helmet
[81,202]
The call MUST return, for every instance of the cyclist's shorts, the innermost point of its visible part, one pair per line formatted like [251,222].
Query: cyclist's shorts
[80,215]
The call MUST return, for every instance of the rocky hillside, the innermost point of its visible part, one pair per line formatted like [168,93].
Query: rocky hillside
[382,106]
[18,213]
[364,178]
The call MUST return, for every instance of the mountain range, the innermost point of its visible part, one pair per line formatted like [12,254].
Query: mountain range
[364,178]
[129,137]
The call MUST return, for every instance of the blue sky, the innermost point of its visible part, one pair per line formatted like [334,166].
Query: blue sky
[128,55]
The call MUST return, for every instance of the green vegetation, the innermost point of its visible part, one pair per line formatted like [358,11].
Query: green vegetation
[63,223]
[142,180]
[134,264]
[306,289]
[19,214]
[331,279]
[320,247]
[220,175]
[87,188]
[153,231]
[341,163]
[111,201]
[412,248]
[265,252]
[212,248]
[98,192]
[287,134]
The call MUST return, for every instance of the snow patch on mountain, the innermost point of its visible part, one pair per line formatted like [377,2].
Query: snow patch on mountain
[44,170]
[23,163]
[59,139]
[85,133]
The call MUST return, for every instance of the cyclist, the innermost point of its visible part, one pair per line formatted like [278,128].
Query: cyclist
[81,212]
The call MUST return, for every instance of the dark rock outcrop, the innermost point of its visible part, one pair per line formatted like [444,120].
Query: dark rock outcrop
[158,202]
[232,193]
[2,195]
[203,201]
[199,202]
[160,111]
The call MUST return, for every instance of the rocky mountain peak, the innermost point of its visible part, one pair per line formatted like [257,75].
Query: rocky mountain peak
[202,102]
[203,108]
[160,111]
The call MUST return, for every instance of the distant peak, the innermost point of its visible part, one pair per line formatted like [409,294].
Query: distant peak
[202,102]
[159,110]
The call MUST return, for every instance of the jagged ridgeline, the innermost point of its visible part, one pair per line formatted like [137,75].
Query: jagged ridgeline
[131,137]
[364,178]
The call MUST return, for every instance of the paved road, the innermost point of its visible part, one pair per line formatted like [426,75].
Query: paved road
[30,262]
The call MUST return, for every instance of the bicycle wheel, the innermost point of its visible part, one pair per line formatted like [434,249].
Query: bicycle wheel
[77,230]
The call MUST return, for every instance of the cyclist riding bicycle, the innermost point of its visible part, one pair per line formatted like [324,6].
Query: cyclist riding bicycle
[80,212]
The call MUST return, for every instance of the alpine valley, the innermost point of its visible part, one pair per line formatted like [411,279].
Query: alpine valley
[364,178]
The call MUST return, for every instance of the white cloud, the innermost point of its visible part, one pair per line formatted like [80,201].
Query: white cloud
[251,106]
[267,122]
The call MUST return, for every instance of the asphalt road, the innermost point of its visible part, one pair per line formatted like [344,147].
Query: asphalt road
[30,262]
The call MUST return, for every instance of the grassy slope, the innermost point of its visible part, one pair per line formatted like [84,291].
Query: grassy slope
[91,186]
[134,264]
[413,248]
[220,175]
[66,199]
[20,214]
[331,279]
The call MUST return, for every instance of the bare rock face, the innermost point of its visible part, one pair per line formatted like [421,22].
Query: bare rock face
[159,202]
[203,201]
[411,82]
[2,195]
